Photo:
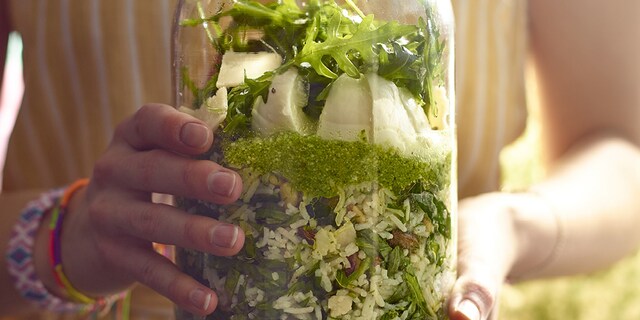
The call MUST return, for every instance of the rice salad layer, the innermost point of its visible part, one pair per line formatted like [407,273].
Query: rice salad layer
[366,253]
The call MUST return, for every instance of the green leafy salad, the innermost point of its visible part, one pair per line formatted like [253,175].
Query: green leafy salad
[336,122]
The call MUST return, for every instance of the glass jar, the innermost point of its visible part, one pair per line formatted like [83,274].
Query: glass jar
[338,115]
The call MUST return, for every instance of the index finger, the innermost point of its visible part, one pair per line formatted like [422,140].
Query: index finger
[161,126]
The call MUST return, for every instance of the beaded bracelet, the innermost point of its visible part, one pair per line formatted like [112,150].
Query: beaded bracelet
[20,258]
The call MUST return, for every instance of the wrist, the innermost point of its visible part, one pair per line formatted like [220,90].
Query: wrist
[41,260]
[34,260]
[537,232]
[72,242]
[83,262]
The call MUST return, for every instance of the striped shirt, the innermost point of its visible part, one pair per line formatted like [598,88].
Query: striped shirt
[90,63]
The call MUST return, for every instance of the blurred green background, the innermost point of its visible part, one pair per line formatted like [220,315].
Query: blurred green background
[605,295]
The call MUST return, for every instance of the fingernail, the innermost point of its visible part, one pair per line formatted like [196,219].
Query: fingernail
[469,309]
[194,135]
[200,299]
[222,183]
[224,235]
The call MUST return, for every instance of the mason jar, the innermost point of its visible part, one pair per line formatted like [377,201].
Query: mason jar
[339,117]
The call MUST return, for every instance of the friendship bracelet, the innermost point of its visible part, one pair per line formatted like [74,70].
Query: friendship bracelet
[55,254]
[20,257]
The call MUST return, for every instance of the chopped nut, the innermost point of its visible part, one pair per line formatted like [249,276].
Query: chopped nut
[289,195]
[427,223]
[403,239]
[274,180]
[354,262]
[307,233]
[359,215]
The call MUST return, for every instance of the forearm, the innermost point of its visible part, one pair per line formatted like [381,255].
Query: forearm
[585,56]
[12,204]
[592,211]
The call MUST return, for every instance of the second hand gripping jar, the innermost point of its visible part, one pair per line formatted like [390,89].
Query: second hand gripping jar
[338,115]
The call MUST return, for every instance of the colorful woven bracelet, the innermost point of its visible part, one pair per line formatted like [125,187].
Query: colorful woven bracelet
[55,253]
[21,265]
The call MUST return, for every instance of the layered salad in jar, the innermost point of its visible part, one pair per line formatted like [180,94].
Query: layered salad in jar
[337,123]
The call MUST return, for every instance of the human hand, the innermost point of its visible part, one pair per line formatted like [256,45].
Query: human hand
[108,233]
[500,235]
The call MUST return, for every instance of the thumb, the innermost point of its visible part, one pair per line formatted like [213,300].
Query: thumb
[474,296]
[486,251]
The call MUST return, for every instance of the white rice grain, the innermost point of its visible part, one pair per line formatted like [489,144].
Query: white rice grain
[265,238]
[350,249]
[289,234]
[303,211]
[251,191]
[398,223]
[298,224]
[299,310]
[362,226]
[239,214]
[383,225]
[385,235]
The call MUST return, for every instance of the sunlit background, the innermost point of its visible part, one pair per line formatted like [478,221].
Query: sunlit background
[11,94]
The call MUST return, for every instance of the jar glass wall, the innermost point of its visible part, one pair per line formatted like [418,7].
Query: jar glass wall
[338,115]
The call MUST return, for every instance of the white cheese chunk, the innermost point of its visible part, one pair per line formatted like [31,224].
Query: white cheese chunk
[283,109]
[236,64]
[213,111]
[339,305]
[391,124]
[347,110]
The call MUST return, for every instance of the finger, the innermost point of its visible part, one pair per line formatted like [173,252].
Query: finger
[169,225]
[473,297]
[161,275]
[165,172]
[483,259]
[161,126]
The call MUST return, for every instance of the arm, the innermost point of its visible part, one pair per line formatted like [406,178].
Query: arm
[585,53]
[108,230]
[585,214]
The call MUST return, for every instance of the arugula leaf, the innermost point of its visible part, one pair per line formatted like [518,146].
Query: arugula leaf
[324,40]
[273,216]
[344,280]
[367,241]
[322,210]
[436,210]
[232,281]
[250,249]
[241,99]
[396,261]
[396,62]
[339,46]
[282,24]
[415,291]
[390,315]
